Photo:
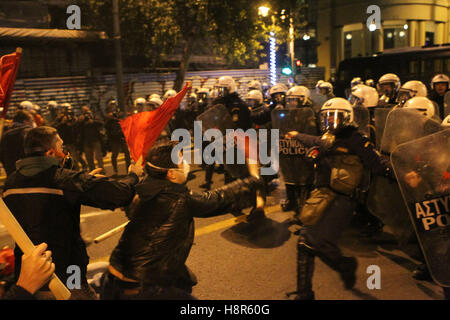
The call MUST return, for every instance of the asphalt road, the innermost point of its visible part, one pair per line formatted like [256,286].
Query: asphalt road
[236,260]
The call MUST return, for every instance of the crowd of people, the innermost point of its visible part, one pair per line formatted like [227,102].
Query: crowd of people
[335,135]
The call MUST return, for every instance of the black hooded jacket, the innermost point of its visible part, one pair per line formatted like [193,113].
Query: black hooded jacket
[156,242]
[238,110]
[46,200]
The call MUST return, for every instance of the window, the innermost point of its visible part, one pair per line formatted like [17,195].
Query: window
[414,67]
[395,37]
[429,38]
[438,66]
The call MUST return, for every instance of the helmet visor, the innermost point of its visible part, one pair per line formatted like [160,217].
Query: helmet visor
[386,88]
[333,119]
[252,103]
[295,102]
[278,98]
[354,100]
[403,96]
[222,91]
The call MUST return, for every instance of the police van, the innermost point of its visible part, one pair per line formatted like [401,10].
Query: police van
[416,63]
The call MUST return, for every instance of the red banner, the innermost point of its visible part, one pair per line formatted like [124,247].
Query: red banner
[9,65]
[142,129]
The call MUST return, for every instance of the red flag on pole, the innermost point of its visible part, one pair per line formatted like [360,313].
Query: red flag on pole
[9,65]
[142,129]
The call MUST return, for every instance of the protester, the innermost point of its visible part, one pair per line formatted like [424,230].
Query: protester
[11,146]
[46,200]
[149,261]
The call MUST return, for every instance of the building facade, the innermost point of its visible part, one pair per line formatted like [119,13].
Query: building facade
[343,27]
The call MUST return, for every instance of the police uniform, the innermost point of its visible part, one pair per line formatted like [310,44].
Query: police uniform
[321,238]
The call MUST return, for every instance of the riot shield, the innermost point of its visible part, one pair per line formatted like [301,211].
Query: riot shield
[403,125]
[218,117]
[318,100]
[446,104]
[385,203]
[384,199]
[293,165]
[380,116]
[422,168]
[361,117]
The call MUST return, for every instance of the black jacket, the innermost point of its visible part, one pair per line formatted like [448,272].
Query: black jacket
[439,100]
[238,110]
[16,292]
[69,130]
[11,147]
[91,129]
[46,201]
[112,125]
[156,242]
[348,140]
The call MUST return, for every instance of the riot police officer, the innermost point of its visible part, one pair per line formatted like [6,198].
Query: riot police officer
[139,105]
[440,84]
[388,86]
[229,97]
[329,208]
[410,89]
[277,95]
[115,136]
[297,189]
[254,85]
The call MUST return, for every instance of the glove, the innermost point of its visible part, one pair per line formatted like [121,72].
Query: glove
[313,152]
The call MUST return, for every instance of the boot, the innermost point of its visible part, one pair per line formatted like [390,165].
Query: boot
[256,215]
[305,271]
[347,269]
[421,273]
[206,185]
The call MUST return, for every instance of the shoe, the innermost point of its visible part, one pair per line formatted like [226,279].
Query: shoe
[206,186]
[421,273]
[347,270]
[305,296]
[256,215]
[371,230]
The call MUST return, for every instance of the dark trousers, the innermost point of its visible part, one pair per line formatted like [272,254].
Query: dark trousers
[76,156]
[93,148]
[116,289]
[119,145]
[320,240]
[325,234]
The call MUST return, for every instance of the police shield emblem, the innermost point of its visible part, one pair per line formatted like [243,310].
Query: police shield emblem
[293,165]
[422,168]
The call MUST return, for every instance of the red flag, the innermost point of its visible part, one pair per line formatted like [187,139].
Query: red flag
[446,175]
[142,129]
[9,65]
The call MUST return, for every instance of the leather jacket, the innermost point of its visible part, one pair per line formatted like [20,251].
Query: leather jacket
[156,242]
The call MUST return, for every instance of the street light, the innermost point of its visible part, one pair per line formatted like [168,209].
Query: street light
[263,11]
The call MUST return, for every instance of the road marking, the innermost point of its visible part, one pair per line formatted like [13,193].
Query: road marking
[95,213]
[215,226]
